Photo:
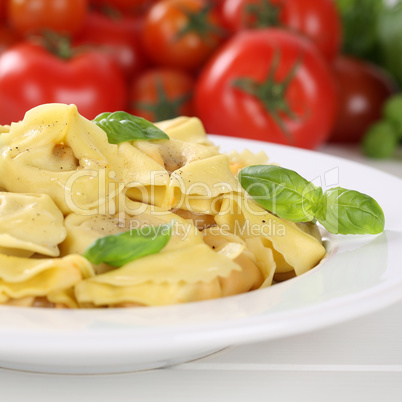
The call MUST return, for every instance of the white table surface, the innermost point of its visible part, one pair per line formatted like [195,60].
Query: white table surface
[360,360]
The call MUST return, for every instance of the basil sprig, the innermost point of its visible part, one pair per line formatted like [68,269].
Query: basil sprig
[288,195]
[117,250]
[122,126]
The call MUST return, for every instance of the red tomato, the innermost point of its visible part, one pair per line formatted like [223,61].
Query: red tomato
[130,6]
[33,16]
[7,38]
[30,76]
[268,85]
[161,94]
[181,33]
[117,37]
[2,10]
[363,89]
[316,19]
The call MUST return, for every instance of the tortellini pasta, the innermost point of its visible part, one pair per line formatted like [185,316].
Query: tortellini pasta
[65,187]
[29,224]
[83,230]
[175,276]
[24,280]
[187,129]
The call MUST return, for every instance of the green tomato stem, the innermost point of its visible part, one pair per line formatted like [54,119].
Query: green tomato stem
[272,93]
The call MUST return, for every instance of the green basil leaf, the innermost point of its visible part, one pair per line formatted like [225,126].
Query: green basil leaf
[117,250]
[290,196]
[343,211]
[122,126]
[281,191]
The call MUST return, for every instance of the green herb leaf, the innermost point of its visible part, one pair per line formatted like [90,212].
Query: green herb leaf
[343,211]
[281,191]
[117,250]
[122,126]
[290,196]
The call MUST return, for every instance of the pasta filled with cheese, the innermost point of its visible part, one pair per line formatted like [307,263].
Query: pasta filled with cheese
[83,230]
[29,224]
[177,276]
[289,243]
[187,129]
[49,280]
[67,189]
[56,151]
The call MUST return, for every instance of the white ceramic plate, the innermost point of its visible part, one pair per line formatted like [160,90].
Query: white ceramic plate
[363,274]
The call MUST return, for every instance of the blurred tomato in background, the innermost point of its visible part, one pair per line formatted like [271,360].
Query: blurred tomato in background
[362,90]
[34,16]
[161,94]
[268,85]
[123,6]
[31,75]
[181,33]
[116,36]
[317,20]
[164,58]
[8,37]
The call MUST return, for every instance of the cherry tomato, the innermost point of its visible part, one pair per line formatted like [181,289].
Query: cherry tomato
[268,85]
[125,6]
[116,37]
[162,93]
[30,75]
[2,10]
[181,33]
[34,16]
[7,38]
[316,19]
[362,91]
